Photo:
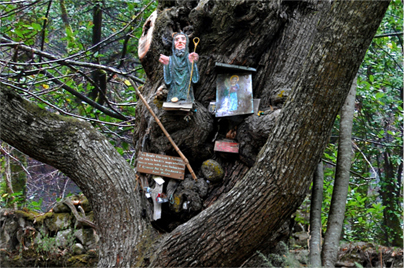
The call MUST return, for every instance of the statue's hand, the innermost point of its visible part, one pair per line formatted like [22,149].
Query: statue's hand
[164,59]
[193,57]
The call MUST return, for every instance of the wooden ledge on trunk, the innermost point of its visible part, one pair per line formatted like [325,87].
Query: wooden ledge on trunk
[177,106]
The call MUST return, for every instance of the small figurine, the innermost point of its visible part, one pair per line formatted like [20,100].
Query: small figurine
[178,69]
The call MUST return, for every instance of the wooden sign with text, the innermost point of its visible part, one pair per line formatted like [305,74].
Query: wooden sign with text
[163,165]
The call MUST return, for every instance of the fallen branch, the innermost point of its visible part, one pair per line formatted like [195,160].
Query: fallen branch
[79,218]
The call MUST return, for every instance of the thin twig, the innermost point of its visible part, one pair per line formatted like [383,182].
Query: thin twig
[353,172]
[3,151]
[105,40]
[67,113]
[45,22]
[62,61]
[378,143]
[388,34]
[114,113]
[364,156]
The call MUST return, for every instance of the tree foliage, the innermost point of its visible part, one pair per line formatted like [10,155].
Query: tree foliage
[375,192]
[65,88]
[377,137]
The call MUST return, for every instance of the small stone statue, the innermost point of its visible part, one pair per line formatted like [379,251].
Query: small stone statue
[178,70]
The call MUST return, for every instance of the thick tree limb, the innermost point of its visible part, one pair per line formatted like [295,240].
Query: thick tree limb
[74,147]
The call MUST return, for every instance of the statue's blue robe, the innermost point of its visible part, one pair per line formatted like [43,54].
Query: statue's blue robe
[177,77]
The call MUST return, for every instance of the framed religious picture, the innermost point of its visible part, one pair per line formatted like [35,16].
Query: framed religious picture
[234,94]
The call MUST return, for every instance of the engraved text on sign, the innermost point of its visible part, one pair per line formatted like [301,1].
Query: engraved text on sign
[163,165]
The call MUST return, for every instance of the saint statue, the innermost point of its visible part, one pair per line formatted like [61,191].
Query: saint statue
[178,70]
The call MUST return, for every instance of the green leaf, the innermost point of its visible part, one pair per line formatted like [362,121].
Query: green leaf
[36,26]
[19,33]
[379,95]
[125,145]
[120,150]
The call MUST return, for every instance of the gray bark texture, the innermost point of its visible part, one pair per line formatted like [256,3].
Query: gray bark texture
[74,147]
[306,55]
[340,192]
[315,216]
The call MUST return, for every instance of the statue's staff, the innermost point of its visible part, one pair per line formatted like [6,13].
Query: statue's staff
[196,42]
[130,82]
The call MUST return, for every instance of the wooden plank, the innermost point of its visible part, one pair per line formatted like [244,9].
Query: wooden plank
[175,106]
[163,165]
[234,67]
[256,104]
[226,146]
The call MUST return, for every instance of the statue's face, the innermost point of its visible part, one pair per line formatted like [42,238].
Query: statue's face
[233,81]
[180,41]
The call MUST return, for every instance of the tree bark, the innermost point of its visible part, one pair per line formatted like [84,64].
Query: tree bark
[9,184]
[99,92]
[247,215]
[315,216]
[298,57]
[74,147]
[336,215]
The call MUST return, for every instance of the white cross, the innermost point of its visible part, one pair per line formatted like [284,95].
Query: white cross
[158,189]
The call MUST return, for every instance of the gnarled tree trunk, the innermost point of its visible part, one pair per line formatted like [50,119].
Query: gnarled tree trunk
[305,53]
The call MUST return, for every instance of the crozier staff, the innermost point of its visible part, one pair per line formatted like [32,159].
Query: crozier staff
[177,70]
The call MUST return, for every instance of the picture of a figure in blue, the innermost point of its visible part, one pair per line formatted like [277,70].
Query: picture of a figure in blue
[233,91]
[233,94]
[177,70]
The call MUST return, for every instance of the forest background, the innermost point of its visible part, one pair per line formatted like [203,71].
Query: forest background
[107,32]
